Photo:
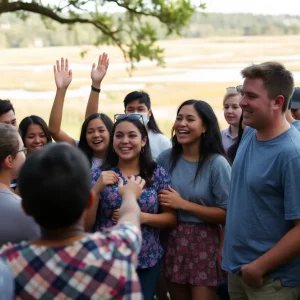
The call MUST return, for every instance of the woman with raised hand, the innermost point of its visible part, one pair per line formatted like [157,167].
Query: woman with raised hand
[34,133]
[129,154]
[200,179]
[95,131]
[15,226]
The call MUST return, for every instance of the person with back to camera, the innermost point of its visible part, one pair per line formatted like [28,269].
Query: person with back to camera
[34,133]
[129,154]
[15,226]
[200,179]
[66,262]
[232,114]
[262,235]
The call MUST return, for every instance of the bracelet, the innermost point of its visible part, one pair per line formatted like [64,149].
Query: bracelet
[95,89]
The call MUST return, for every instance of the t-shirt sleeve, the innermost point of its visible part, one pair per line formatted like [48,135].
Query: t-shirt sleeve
[221,176]
[96,172]
[163,159]
[124,240]
[291,189]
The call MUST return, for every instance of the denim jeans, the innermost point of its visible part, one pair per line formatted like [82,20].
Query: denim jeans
[149,278]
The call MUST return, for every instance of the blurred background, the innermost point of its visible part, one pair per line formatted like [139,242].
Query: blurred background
[214,46]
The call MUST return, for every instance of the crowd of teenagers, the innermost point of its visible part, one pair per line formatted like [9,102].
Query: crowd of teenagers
[127,213]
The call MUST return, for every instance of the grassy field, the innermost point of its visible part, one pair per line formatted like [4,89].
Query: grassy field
[195,69]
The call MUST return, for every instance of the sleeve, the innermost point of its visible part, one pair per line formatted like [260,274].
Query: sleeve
[165,143]
[125,240]
[291,189]
[162,178]
[163,159]
[221,176]
[96,172]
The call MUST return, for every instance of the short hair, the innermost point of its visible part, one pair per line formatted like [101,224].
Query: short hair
[229,95]
[9,141]
[27,121]
[55,185]
[143,98]
[277,79]
[5,107]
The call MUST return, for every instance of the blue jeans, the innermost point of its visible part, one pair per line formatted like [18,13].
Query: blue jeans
[149,278]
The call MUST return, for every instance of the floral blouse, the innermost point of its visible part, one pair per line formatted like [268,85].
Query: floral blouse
[110,200]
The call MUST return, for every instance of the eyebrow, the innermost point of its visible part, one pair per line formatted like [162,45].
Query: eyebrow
[181,115]
[100,127]
[132,131]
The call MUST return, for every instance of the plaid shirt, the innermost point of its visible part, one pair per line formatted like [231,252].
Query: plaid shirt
[99,266]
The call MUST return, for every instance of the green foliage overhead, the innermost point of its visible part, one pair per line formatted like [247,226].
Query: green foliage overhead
[131,31]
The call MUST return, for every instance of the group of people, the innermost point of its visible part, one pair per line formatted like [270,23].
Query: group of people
[126,213]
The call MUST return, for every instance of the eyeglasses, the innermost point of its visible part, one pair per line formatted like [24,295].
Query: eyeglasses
[232,89]
[138,117]
[25,150]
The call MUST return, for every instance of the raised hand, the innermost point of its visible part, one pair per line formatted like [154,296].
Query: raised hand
[62,74]
[134,186]
[98,72]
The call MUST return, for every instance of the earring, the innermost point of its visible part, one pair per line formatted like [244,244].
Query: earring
[203,133]
[142,150]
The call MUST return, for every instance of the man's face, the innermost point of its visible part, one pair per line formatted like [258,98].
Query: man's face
[9,118]
[255,103]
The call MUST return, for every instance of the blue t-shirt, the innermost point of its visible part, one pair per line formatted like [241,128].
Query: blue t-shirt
[264,200]
[211,187]
[296,124]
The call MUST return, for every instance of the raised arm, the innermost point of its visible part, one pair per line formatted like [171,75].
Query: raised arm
[97,74]
[63,78]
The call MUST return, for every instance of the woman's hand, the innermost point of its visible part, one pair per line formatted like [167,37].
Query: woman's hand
[98,72]
[170,198]
[106,178]
[62,74]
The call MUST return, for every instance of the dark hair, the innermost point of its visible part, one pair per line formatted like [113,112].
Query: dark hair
[83,145]
[9,141]
[55,185]
[5,107]
[146,163]
[27,121]
[210,141]
[277,79]
[143,98]
[232,150]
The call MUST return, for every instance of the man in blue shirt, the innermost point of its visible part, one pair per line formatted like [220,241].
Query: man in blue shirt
[262,238]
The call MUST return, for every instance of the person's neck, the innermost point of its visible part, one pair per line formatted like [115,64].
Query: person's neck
[191,152]
[100,155]
[61,237]
[234,130]
[129,167]
[274,129]
[5,180]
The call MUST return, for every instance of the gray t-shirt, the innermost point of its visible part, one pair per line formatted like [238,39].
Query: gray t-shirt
[15,226]
[211,187]
[6,282]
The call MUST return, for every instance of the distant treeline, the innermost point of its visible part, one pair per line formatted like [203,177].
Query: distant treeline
[14,32]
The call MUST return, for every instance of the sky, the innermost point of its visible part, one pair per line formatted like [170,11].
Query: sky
[267,7]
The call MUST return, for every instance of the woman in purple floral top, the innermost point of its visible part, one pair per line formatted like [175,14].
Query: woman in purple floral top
[129,154]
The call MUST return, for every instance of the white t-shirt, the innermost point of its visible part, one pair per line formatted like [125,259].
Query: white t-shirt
[96,162]
[158,143]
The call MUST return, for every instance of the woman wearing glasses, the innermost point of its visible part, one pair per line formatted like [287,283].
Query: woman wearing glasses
[200,178]
[15,226]
[129,154]
[34,133]
[232,114]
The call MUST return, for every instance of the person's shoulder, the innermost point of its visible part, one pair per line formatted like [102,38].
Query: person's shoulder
[160,171]
[218,160]
[159,137]
[164,157]
[7,194]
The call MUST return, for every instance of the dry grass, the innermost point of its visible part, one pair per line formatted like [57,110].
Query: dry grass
[168,95]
